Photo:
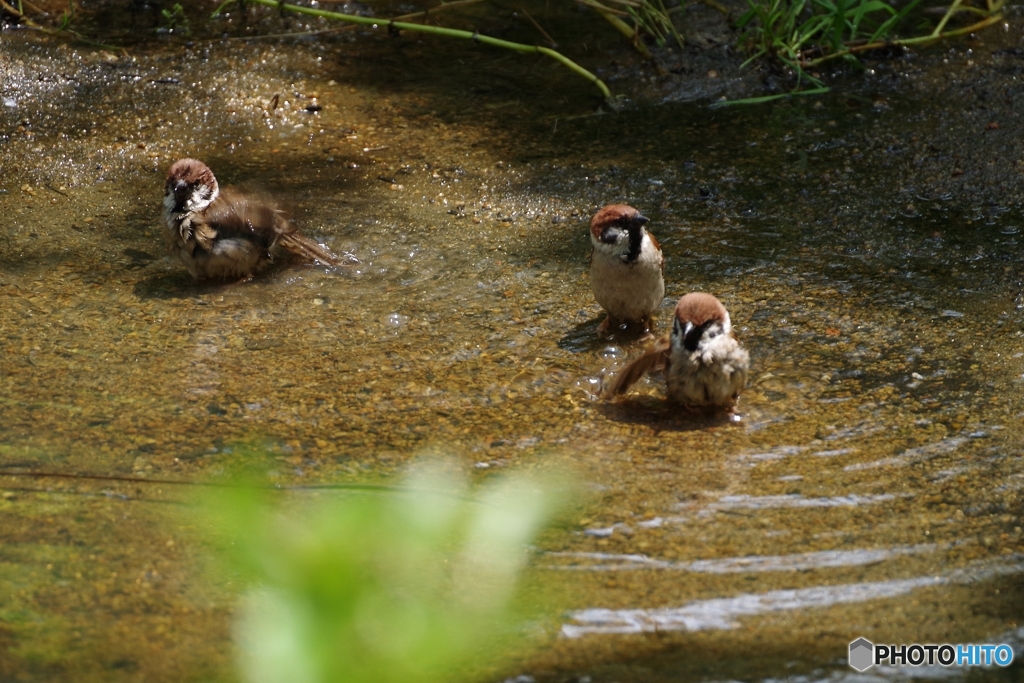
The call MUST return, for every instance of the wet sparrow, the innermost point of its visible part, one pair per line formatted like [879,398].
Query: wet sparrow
[705,367]
[625,267]
[223,234]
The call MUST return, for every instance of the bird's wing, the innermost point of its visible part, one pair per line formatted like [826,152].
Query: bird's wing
[236,215]
[657,246]
[203,235]
[653,358]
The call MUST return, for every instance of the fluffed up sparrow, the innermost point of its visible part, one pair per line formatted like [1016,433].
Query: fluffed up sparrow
[625,267]
[223,234]
[705,367]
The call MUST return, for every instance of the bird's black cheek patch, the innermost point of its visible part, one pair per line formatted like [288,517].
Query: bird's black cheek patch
[610,234]
[693,337]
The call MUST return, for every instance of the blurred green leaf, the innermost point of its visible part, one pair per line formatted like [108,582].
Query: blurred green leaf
[415,583]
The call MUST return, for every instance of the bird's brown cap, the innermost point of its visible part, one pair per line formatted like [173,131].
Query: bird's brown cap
[190,172]
[615,213]
[699,308]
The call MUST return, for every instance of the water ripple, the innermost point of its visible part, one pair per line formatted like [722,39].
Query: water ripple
[732,565]
[722,613]
[912,455]
[794,500]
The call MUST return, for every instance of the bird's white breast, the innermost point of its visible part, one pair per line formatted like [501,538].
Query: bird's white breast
[629,291]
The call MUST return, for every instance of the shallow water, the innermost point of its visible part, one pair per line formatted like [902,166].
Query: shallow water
[868,258]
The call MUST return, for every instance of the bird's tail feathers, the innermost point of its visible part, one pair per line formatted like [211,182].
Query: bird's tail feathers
[652,359]
[309,250]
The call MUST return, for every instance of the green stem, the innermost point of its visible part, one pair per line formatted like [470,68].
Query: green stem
[307,34]
[768,98]
[622,27]
[946,18]
[435,30]
[932,37]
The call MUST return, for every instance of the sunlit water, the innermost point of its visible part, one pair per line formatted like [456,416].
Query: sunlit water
[870,489]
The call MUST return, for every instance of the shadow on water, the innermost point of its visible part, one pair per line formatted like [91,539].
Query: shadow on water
[583,337]
[661,415]
[177,285]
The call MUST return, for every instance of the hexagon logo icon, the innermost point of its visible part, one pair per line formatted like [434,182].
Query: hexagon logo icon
[862,654]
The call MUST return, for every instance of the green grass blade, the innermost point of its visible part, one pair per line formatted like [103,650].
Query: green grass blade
[769,98]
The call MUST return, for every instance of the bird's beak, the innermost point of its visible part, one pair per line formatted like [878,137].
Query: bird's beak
[641,220]
[180,190]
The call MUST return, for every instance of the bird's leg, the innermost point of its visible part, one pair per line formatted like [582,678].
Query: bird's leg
[648,334]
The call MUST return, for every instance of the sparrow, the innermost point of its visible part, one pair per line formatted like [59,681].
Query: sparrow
[223,234]
[626,267]
[705,367]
